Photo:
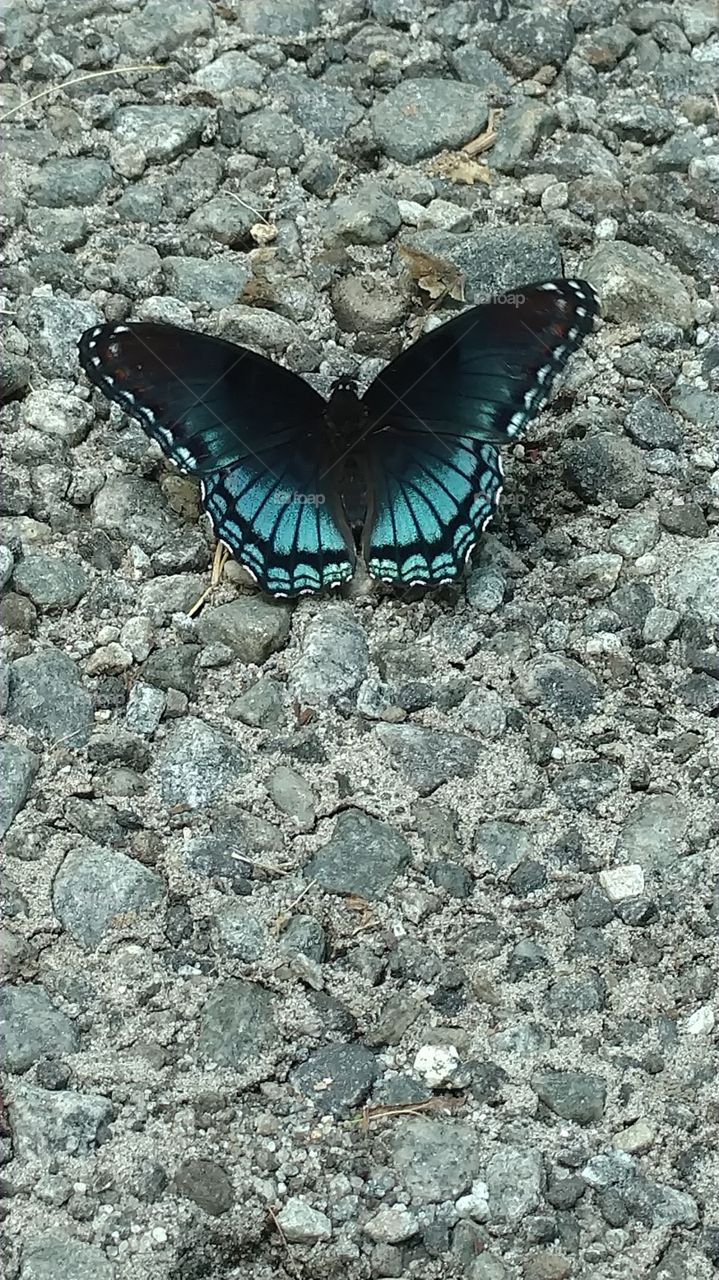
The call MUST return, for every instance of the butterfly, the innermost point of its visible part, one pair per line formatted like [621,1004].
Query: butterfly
[288,478]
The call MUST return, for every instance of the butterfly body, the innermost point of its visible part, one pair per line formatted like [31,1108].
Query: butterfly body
[288,479]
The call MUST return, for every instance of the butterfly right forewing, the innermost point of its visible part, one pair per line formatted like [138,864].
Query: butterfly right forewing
[438,412]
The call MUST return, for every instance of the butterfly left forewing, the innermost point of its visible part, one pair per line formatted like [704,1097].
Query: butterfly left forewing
[251,430]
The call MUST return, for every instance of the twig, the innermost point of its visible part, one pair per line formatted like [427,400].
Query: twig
[310,884]
[285,1244]
[245,205]
[68,84]
[263,866]
[387,1111]
[219,561]
[484,140]
[282,920]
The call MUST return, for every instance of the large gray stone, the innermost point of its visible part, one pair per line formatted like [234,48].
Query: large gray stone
[48,1123]
[363,856]
[32,1027]
[52,1256]
[47,697]
[237,1022]
[694,586]
[436,1160]
[420,117]
[18,767]
[494,260]
[97,889]
[161,133]
[333,660]
[196,764]
[428,757]
[51,582]
[253,627]
[634,286]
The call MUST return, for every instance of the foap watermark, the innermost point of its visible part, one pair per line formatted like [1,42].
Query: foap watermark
[286,497]
[501,299]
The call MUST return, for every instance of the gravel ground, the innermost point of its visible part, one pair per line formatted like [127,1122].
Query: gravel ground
[371,937]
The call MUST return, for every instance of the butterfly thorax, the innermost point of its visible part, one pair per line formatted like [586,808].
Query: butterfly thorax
[345,415]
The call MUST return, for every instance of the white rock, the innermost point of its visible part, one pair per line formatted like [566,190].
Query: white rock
[138,636]
[301,1224]
[622,882]
[700,1022]
[475,1204]
[391,1225]
[111,659]
[436,1064]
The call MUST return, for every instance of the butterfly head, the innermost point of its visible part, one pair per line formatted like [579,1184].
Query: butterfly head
[344,386]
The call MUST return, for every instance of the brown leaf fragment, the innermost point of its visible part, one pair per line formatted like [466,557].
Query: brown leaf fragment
[456,166]
[435,276]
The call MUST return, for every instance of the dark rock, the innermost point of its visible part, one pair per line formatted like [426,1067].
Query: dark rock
[701,693]
[363,856]
[213,283]
[585,785]
[572,1095]
[686,519]
[207,1184]
[337,1078]
[640,122]
[77,181]
[562,685]
[605,464]
[324,110]
[429,757]
[280,19]
[456,881]
[651,425]
[475,65]
[237,1023]
[524,125]
[32,1027]
[18,767]
[527,41]
[172,668]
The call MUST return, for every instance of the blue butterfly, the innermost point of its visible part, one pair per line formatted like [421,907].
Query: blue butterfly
[287,476]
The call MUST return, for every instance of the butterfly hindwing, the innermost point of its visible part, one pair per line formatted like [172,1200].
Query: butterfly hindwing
[250,429]
[438,411]
[281,522]
[431,497]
